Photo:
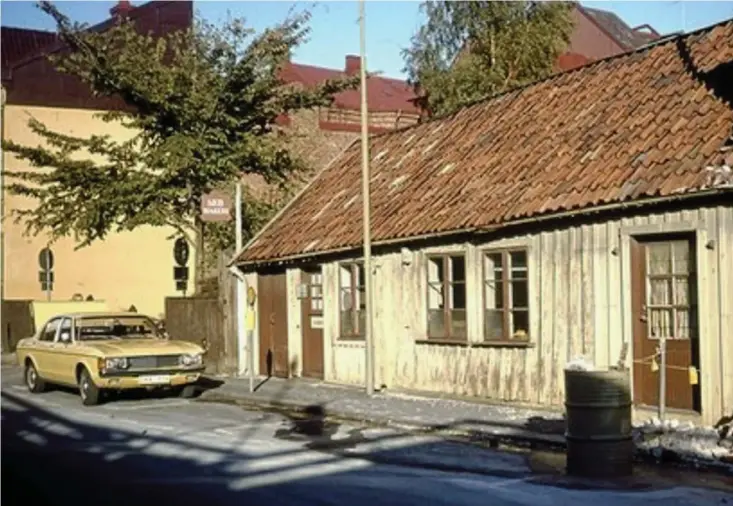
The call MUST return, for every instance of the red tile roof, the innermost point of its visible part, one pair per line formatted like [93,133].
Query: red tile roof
[383,94]
[18,43]
[634,126]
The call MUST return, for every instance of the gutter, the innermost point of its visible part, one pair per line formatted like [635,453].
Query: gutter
[493,228]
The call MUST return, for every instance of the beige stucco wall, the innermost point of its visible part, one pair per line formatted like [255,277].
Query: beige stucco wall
[126,268]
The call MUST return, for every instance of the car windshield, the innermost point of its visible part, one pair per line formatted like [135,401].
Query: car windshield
[115,327]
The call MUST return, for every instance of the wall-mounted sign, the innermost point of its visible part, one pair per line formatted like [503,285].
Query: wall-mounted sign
[180,251]
[45,276]
[216,206]
[316,322]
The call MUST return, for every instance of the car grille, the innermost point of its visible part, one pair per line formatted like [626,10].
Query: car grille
[154,362]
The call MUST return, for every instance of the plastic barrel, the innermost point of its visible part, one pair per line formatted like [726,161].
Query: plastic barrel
[598,419]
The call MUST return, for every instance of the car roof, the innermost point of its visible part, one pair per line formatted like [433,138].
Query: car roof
[103,314]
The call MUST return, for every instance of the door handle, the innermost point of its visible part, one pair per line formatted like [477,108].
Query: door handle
[643,316]
[272,318]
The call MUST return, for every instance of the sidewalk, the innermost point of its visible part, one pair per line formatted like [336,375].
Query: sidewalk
[478,422]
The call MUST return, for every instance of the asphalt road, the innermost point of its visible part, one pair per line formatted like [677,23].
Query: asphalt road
[185,452]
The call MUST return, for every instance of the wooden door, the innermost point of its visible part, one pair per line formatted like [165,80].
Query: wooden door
[664,302]
[312,324]
[273,318]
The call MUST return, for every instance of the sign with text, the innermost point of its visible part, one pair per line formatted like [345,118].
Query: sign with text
[216,206]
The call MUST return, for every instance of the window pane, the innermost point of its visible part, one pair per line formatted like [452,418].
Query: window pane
[458,296]
[494,296]
[683,330]
[493,325]
[436,323]
[660,323]
[458,268]
[520,324]
[659,258]
[347,327]
[518,261]
[360,278]
[681,253]
[435,270]
[660,292]
[361,298]
[315,291]
[346,299]
[345,276]
[435,296]
[682,291]
[520,297]
[493,266]
[361,318]
[458,323]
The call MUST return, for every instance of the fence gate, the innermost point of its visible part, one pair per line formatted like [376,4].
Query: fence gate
[198,320]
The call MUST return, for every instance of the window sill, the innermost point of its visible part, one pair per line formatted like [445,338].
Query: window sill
[480,344]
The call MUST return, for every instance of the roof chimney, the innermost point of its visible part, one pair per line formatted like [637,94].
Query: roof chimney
[122,9]
[353,64]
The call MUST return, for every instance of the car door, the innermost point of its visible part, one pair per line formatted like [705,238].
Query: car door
[43,354]
[64,354]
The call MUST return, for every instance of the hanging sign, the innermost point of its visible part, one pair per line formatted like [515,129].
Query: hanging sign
[216,206]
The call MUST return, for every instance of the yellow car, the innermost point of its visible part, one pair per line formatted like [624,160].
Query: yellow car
[99,352]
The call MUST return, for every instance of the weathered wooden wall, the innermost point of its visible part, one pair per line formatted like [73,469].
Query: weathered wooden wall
[211,320]
[579,293]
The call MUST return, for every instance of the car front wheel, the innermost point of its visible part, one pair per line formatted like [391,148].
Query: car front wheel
[90,393]
[32,380]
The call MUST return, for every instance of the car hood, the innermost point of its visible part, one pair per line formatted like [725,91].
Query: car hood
[139,347]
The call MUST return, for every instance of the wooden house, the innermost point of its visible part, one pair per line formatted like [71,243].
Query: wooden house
[581,215]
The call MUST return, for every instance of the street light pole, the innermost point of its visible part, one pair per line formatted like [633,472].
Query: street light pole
[369,331]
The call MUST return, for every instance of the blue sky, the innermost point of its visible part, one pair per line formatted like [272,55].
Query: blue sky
[390,24]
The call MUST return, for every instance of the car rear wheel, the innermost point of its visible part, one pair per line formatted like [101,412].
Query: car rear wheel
[90,393]
[32,380]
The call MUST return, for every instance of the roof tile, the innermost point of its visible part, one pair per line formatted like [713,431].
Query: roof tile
[608,132]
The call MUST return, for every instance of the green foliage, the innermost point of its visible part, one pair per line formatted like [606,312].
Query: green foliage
[469,50]
[201,106]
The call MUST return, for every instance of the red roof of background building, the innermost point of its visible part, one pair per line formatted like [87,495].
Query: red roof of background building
[570,61]
[18,43]
[383,93]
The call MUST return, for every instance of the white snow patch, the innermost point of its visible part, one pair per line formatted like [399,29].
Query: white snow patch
[690,443]
[580,364]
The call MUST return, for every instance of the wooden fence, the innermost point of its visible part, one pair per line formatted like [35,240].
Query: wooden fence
[18,323]
[208,320]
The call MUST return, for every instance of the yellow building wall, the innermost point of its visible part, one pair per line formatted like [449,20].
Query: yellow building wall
[128,268]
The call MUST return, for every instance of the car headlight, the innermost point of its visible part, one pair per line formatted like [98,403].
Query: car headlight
[191,360]
[116,363]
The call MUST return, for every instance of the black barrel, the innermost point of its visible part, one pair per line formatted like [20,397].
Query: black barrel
[598,432]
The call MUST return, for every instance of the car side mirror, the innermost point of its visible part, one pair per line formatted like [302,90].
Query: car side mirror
[65,337]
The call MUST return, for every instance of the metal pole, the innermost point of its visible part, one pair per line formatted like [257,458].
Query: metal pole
[369,334]
[662,376]
[241,303]
[2,209]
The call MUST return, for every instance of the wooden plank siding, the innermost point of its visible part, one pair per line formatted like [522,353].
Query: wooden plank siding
[576,285]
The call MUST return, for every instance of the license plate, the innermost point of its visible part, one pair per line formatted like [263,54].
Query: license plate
[155,379]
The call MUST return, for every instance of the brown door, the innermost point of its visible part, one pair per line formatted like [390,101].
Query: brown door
[273,318]
[312,325]
[664,302]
